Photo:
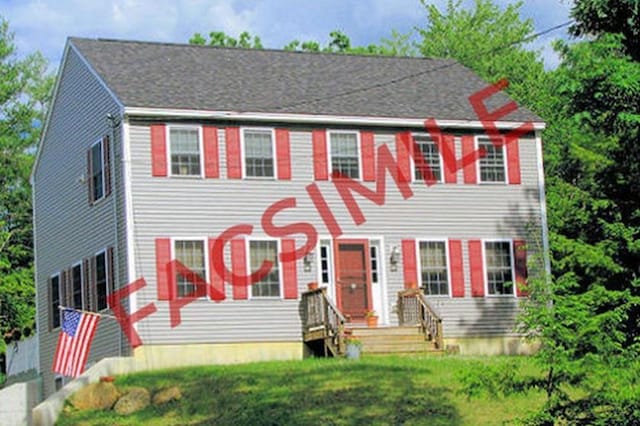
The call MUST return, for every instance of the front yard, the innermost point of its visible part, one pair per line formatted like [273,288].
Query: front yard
[376,390]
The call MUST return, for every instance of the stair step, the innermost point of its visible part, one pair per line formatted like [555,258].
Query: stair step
[386,331]
[393,348]
[392,338]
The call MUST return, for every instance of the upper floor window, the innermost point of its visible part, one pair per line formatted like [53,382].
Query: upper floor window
[433,266]
[498,267]
[96,168]
[259,251]
[431,168]
[54,292]
[258,153]
[492,165]
[192,255]
[184,148]
[345,158]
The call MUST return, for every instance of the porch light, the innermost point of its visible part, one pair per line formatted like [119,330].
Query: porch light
[307,261]
[393,259]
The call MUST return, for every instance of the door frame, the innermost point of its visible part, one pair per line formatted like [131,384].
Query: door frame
[367,262]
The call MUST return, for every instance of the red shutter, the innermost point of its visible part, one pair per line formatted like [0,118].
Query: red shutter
[456,268]
[90,176]
[368,156]
[513,162]
[320,160]
[234,159]
[106,154]
[450,170]
[239,267]
[216,287]
[409,263]
[210,142]
[158,150]
[289,271]
[404,143]
[470,171]
[477,269]
[520,254]
[283,154]
[163,271]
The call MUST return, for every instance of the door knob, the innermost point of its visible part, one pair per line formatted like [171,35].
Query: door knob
[353,286]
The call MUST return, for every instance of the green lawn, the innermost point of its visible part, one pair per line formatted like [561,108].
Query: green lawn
[376,390]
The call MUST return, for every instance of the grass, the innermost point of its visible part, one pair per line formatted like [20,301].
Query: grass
[380,390]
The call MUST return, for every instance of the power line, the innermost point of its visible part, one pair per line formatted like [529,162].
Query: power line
[421,73]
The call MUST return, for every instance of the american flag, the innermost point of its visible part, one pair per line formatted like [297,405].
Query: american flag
[74,342]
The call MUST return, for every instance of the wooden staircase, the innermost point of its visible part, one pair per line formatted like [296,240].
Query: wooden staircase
[386,340]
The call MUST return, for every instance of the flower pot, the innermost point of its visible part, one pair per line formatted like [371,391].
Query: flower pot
[412,285]
[312,286]
[372,321]
[107,379]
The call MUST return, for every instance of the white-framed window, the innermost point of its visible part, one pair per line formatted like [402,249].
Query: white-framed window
[185,150]
[325,271]
[102,281]
[434,270]
[192,254]
[344,149]
[498,262]
[492,166]
[259,153]
[260,251]
[97,171]
[432,166]
[77,297]
[56,297]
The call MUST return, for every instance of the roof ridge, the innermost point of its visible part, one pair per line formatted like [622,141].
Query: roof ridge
[247,49]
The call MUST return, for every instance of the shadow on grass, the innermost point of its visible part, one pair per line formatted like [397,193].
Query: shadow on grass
[327,392]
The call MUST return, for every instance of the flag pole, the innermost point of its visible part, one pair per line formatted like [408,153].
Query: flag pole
[62,308]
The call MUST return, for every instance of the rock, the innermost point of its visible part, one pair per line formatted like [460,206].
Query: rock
[135,399]
[96,396]
[166,395]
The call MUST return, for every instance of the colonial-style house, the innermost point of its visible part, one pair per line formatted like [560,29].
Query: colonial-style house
[296,168]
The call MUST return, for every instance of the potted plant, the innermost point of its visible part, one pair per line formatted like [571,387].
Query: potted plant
[372,318]
[411,285]
[312,286]
[354,347]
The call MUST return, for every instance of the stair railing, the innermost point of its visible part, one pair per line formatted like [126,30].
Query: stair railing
[323,320]
[415,309]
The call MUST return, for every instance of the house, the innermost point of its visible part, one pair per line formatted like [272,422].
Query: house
[227,159]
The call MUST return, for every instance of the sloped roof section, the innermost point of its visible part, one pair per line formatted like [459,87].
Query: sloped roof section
[182,76]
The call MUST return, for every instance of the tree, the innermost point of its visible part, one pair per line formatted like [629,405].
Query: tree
[24,91]
[219,38]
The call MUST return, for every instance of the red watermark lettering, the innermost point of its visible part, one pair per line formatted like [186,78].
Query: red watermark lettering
[125,320]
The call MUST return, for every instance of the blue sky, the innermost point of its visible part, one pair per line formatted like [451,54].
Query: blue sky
[44,25]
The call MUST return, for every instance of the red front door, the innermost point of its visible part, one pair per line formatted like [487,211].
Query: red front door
[353,282]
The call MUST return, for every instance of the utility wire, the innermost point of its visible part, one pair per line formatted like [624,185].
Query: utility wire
[421,73]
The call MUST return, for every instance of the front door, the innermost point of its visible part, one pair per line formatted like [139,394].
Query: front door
[353,283]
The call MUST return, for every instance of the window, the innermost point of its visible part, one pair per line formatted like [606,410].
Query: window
[259,251]
[492,166]
[498,265]
[58,382]
[184,145]
[191,254]
[433,267]
[101,281]
[373,257]
[344,154]
[97,171]
[54,291]
[76,286]
[431,155]
[258,153]
[325,263]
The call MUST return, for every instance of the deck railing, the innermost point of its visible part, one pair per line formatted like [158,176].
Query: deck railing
[415,309]
[323,321]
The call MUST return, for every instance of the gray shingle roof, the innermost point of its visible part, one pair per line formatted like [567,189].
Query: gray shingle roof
[181,76]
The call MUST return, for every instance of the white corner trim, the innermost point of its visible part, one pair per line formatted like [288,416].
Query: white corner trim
[315,118]
[129,215]
[543,204]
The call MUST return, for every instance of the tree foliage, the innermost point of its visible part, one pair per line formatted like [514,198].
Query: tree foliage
[24,90]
